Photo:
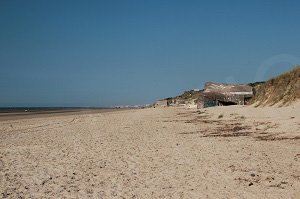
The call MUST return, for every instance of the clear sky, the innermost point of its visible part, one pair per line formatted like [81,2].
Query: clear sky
[103,53]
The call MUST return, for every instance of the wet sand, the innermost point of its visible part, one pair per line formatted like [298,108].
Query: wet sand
[11,114]
[236,152]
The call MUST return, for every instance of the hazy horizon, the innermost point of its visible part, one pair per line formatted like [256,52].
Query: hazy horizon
[100,54]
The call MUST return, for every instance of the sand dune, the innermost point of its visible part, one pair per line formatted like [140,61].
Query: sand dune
[222,152]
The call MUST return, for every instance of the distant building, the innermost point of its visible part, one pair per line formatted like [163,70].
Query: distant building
[217,94]
[161,103]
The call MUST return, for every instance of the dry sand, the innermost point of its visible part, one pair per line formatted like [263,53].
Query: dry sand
[223,152]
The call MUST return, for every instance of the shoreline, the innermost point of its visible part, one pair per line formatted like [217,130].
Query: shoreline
[39,113]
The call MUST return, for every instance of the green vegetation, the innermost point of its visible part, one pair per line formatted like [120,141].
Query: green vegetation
[256,84]
[189,95]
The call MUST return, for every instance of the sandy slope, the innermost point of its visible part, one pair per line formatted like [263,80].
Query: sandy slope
[153,153]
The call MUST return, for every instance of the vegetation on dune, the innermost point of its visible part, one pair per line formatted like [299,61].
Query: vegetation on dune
[186,96]
[283,89]
[189,95]
[256,84]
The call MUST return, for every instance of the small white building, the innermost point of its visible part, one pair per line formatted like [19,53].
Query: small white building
[161,103]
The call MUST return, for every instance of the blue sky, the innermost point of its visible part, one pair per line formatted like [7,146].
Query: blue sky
[104,53]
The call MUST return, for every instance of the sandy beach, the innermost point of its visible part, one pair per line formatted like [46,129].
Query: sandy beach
[220,152]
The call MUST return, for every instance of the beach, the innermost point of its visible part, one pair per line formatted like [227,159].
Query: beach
[175,152]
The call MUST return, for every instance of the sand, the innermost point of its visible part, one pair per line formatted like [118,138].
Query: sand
[222,152]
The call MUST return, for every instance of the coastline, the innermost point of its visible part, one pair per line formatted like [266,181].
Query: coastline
[28,113]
